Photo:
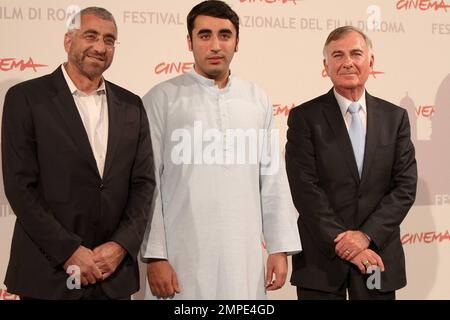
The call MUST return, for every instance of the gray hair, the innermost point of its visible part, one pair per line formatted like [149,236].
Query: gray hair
[340,32]
[99,12]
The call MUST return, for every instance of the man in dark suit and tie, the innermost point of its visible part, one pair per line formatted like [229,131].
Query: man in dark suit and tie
[78,174]
[353,175]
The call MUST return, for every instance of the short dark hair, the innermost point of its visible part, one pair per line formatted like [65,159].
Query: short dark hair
[212,8]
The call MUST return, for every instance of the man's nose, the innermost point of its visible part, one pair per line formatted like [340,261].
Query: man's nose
[348,63]
[215,44]
[99,46]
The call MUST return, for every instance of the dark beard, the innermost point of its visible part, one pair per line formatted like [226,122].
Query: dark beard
[89,69]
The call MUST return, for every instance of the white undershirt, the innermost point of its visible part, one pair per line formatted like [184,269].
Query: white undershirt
[93,110]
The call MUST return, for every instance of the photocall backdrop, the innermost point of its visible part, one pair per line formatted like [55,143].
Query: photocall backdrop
[280,49]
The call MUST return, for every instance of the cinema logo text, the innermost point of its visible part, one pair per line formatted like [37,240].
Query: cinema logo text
[173,67]
[426,237]
[282,109]
[425,111]
[8,64]
[423,5]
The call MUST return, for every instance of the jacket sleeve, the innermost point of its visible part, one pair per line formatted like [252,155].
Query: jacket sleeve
[137,212]
[311,201]
[21,181]
[154,244]
[278,212]
[394,206]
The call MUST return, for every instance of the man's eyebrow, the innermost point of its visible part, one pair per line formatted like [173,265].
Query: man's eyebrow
[201,31]
[336,51]
[93,31]
[225,31]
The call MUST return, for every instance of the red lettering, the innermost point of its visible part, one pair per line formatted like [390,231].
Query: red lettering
[406,238]
[425,111]
[425,237]
[428,237]
[187,66]
[441,237]
[5,295]
[174,67]
[422,5]
[280,109]
[9,296]
[160,68]
[7,64]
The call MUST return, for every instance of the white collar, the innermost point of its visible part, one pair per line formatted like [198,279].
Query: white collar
[209,82]
[344,102]
[73,88]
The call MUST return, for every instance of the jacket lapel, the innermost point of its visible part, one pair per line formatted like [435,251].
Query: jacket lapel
[116,121]
[372,134]
[336,121]
[69,112]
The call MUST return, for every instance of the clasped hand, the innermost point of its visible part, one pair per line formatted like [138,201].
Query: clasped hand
[98,264]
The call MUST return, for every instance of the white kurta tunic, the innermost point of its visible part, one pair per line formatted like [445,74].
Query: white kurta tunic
[212,209]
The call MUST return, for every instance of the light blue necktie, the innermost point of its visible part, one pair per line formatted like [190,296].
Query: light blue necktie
[357,135]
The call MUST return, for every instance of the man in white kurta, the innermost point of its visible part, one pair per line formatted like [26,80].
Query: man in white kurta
[222,190]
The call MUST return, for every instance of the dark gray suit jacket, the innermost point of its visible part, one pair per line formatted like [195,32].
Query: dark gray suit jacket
[54,187]
[331,198]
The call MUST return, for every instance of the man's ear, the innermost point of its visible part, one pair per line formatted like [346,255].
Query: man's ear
[325,65]
[189,41]
[68,41]
[372,60]
[237,45]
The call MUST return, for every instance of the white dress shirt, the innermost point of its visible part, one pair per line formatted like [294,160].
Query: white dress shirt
[343,105]
[93,110]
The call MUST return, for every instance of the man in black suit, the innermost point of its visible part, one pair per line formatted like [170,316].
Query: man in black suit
[352,173]
[78,173]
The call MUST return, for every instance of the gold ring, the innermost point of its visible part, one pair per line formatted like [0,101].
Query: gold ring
[347,251]
[366,263]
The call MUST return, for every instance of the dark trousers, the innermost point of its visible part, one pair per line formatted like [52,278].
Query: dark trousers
[355,286]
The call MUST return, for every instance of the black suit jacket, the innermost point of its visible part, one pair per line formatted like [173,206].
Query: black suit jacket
[331,198]
[53,186]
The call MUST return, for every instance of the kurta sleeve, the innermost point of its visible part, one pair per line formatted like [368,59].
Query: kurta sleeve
[154,243]
[278,212]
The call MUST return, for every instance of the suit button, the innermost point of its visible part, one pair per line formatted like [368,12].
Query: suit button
[101,187]
[359,195]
